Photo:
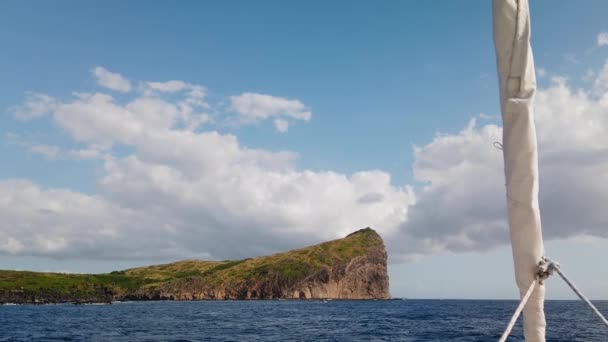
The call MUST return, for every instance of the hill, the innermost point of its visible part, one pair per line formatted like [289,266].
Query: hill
[353,267]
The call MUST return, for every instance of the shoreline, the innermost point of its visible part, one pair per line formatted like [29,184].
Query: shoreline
[195,300]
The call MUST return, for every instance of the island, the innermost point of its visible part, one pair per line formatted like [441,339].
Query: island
[354,267]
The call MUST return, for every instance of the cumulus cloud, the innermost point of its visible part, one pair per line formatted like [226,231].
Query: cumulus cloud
[179,192]
[602,39]
[191,104]
[111,80]
[97,118]
[462,205]
[186,193]
[228,202]
[253,107]
[63,223]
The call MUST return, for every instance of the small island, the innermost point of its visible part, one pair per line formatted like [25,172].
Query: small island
[354,267]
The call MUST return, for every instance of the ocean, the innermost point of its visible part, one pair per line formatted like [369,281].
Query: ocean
[381,320]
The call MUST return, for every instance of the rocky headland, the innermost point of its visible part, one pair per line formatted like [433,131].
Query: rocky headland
[354,267]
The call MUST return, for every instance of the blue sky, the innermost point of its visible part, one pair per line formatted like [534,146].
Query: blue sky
[378,79]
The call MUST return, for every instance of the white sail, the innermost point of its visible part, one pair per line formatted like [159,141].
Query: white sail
[517,89]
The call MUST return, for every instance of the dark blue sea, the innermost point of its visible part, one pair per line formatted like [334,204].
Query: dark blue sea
[391,320]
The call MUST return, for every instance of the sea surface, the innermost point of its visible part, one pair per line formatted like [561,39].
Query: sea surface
[382,320]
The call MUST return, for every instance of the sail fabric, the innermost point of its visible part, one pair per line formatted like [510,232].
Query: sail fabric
[515,65]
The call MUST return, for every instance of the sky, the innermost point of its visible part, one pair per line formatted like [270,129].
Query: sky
[141,132]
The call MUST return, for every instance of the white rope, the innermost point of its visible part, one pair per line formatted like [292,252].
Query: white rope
[520,308]
[580,295]
[546,268]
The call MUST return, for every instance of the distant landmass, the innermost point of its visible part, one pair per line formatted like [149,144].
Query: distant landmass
[353,267]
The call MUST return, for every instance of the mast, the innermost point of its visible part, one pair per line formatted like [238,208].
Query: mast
[517,82]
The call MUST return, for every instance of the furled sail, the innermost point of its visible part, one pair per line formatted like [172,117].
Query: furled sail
[517,89]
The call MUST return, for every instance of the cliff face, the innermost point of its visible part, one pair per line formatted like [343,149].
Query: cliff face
[349,268]
[354,267]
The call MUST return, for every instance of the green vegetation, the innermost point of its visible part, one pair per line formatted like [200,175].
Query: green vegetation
[288,267]
[65,283]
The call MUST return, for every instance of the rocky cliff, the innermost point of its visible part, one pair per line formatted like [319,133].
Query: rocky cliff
[353,267]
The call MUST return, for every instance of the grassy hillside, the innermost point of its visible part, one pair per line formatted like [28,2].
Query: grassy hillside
[289,266]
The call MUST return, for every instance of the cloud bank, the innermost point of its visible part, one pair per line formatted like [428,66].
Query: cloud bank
[185,190]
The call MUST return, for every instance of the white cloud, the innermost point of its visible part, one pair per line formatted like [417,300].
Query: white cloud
[57,222]
[191,104]
[111,80]
[97,118]
[281,125]
[168,87]
[230,202]
[253,107]
[462,206]
[35,106]
[541,72]
[184,193]
[602,39]
[194,94]
[187,193]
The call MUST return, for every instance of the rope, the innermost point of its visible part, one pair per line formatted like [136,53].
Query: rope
[546,268]
[580,295]
[523,302]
